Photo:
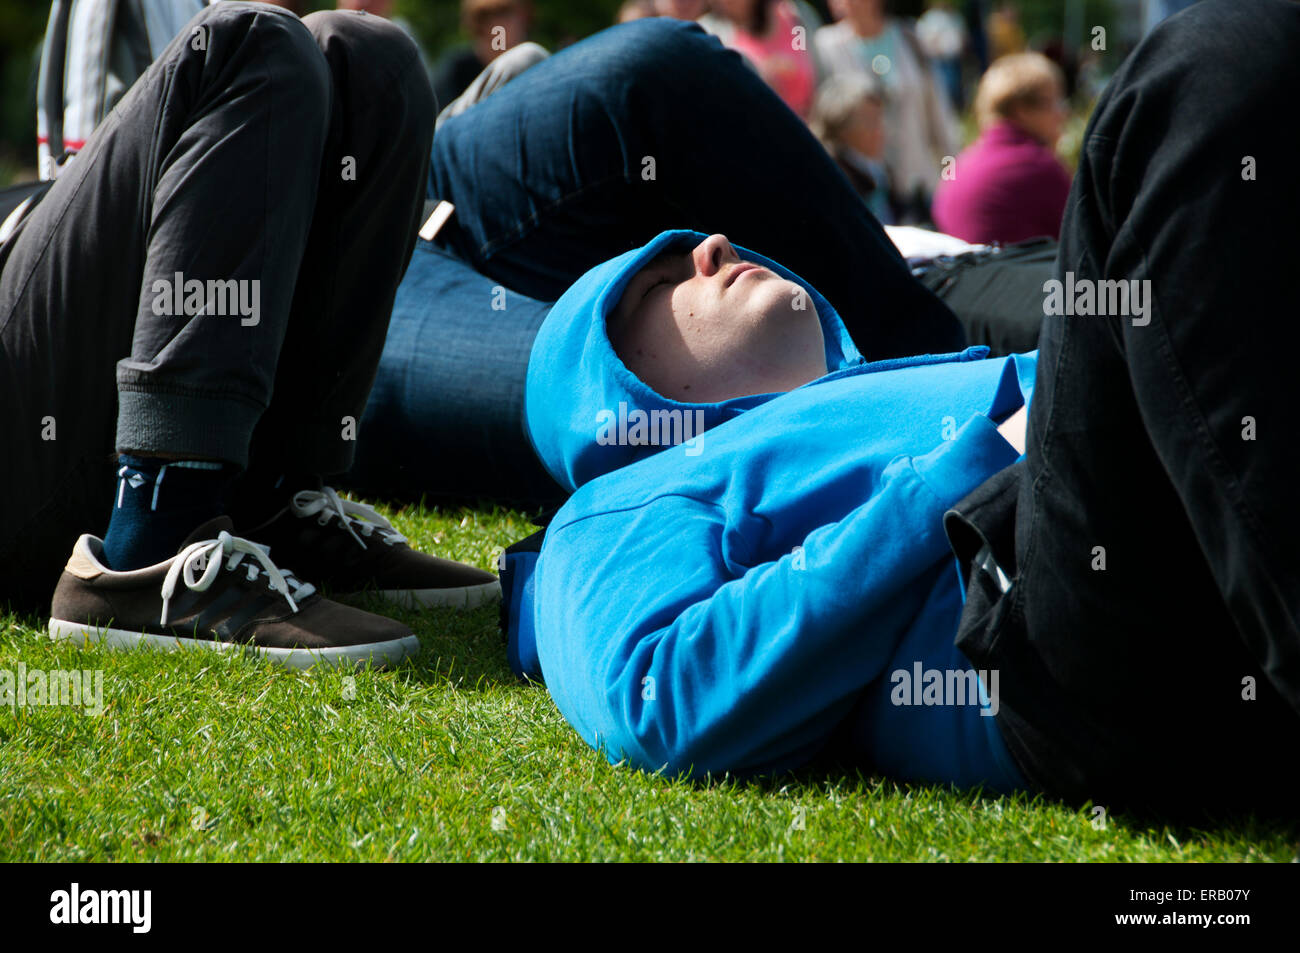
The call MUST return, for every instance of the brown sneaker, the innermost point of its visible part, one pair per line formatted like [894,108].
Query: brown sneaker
[348,548]
[219,592]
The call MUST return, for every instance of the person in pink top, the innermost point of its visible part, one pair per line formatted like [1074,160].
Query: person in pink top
[1008,185]
[773,35]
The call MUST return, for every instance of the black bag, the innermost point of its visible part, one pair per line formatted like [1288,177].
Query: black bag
[996,293]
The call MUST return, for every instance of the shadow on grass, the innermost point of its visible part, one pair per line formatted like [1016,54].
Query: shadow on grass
[461,647]
[1179,824]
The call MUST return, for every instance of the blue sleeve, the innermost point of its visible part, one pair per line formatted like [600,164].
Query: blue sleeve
[664,644]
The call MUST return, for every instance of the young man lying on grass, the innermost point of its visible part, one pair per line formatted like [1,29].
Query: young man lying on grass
[224,168]
[729,603]
[771,588]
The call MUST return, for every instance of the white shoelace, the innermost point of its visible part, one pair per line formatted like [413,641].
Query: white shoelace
[209,555]
[325,504]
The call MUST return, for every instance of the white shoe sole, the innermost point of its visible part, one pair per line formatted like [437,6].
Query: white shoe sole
[377,654]
[468,597]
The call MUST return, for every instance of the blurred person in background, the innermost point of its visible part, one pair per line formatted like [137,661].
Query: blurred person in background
[973,14]
[774,36]
[943,37]
[681,9]
[1009,185]
[494,26]
[93,50]
[1006,35]
[849,118]
[922,128]
[631,10]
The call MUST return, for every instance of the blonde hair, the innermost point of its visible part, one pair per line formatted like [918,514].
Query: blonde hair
[1013,81]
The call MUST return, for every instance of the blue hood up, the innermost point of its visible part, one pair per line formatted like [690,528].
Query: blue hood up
[574,373]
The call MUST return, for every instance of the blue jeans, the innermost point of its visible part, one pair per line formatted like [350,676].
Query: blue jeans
[645,126]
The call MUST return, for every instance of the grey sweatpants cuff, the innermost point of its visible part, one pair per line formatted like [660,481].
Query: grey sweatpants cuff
[206,428]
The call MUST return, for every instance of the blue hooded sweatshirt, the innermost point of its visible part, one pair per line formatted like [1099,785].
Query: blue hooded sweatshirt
[733,585]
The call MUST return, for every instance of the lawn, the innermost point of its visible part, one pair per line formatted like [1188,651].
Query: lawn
[206,756]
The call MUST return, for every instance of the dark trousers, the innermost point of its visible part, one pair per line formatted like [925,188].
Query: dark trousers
[642,127]
[260,149]
[1150,647]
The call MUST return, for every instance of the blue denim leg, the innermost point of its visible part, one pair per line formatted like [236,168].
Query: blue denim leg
[653,125]
[445,413]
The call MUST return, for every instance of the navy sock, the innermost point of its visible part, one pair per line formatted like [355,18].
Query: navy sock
[158,504]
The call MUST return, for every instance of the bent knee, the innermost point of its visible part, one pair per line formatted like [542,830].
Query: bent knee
[377,57]
[263,22]
[653,46]
[372,43]
[257,32]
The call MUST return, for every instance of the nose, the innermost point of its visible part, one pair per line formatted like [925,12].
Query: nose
[710,255]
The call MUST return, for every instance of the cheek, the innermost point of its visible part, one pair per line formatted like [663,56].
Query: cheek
[790,322]
[700,332]
[697,316]
[668,333]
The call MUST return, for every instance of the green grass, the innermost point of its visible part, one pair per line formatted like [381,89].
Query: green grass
[199,756]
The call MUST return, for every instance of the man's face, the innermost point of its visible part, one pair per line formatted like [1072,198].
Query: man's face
[702,326]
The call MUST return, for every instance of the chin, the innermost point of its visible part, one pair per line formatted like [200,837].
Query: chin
[774,299]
